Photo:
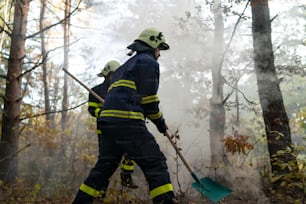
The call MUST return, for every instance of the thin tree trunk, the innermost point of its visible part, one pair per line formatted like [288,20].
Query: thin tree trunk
[217,112]
[13,96]
[62,166]
[44,61]
[238,105]
[5,18]
[66,61]
[271,99]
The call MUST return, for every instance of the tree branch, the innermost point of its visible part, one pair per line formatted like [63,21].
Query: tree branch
[233,33]
[15,153]
[52,112]
[37,64]
[234,87]
[53,25]
[2,29]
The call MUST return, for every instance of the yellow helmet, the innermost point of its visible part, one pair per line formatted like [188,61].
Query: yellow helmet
[148,39]
[153,38]
[110,66]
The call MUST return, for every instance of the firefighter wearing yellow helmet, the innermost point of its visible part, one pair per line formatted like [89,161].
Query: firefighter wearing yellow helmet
[149,40]
[109,67]
[131,100]
[95,108]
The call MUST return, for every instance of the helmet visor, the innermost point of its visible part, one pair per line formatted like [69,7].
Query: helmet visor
[164,46]
[100,74]
[139,46]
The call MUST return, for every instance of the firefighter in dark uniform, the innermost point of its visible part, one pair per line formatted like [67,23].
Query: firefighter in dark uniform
[131,99]
[95,108]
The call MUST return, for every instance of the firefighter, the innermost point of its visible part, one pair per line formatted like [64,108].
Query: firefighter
[95,108]
[131,99]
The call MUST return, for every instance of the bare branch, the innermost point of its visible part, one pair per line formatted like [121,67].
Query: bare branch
[274,17]
[233,33]
[53,25]
[234,87]
[37,64]
[52,112]
[2,29]
[15,153]
[3,76]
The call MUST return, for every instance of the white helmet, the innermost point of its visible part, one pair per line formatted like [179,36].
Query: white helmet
[110,66]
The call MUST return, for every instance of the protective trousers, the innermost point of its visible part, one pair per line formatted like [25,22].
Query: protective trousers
[140,145]
[92,189]
[127,164]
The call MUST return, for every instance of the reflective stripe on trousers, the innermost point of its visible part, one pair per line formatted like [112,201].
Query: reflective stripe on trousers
[161,190]
[90,191]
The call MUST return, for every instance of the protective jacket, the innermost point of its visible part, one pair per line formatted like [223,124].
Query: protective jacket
[131,98]
[94,105]
[132,95]
[95,109]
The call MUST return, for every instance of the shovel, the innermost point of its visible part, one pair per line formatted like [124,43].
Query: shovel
[212,190]
[209,188]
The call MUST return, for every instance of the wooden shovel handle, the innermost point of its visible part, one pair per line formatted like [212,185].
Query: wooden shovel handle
[86,87]
[168,135]
[167,132]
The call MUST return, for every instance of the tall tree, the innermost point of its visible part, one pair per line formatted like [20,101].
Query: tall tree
[44,61]
[13,96]
[217,112]
[66,61]
[271,99]
[65,101]
[6,14]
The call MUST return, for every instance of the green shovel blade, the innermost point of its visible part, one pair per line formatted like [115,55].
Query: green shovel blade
[212,190]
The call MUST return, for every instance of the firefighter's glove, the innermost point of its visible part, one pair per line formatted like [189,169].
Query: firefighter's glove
[161,125]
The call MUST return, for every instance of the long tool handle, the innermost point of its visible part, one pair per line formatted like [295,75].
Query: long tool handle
[179,152]
[168,134]
[190,169]
[86,87]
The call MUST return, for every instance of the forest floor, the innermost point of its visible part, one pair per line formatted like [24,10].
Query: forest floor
[23,195]
[202,200]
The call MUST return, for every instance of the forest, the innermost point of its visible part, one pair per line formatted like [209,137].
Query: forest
[232,91]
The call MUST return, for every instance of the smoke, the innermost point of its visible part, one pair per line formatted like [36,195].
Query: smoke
[184,88]
[103,32]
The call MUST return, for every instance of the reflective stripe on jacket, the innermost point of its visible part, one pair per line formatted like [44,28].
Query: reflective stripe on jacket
[94,105]
[132,95]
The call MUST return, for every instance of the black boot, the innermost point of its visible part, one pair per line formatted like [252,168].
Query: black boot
[166,198]
[126,180]
[167,201]
[82,198]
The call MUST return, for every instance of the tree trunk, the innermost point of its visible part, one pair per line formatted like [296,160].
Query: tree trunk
[217,112]
[13,97]
[271,100]
[65,102]
[44,61]
[66,61]
[6,14]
